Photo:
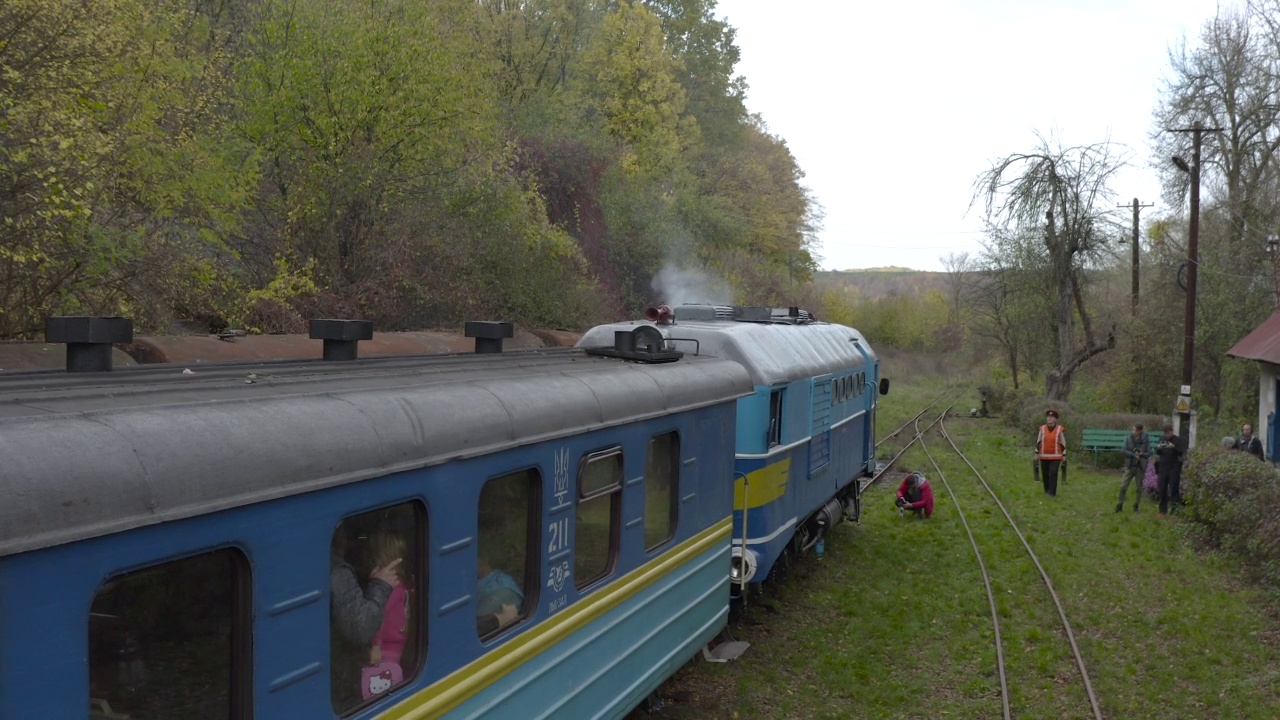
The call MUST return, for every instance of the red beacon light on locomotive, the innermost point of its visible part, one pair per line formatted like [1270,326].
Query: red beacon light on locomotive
[660,315]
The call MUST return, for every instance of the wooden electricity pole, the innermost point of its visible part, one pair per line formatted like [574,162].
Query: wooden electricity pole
[1136,208]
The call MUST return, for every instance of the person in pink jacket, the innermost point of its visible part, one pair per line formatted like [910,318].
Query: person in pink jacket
[915,494]
[384,669]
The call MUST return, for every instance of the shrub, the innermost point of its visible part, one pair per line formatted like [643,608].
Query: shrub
[1237,498]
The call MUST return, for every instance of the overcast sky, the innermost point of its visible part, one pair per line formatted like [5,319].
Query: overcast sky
[893,108]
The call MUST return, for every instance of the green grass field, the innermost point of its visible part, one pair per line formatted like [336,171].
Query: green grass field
[894,621]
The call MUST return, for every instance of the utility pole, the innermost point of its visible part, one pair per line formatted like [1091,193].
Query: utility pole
[1273,248]
[1193,262]
[1136,208]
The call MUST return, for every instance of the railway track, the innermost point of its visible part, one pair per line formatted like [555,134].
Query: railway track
[882,469]
[986,576]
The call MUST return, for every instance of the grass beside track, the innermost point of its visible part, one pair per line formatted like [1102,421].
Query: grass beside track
[894,621]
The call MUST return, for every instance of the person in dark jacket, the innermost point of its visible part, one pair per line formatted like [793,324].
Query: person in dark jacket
[1170,452]
[357,611]
[1135,451]
[1249,443]
[914,494]
[355,616]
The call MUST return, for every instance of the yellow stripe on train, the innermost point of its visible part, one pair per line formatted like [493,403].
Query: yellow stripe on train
[458,687]
[762,486]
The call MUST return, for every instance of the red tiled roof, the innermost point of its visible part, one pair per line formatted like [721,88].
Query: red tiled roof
[1261,344]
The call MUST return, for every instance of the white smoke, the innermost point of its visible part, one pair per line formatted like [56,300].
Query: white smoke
[676,285]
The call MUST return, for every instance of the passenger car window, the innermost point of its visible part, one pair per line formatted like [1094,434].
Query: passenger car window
[377,578]
[173,640]
[599,508]
[661,489]
[507,569]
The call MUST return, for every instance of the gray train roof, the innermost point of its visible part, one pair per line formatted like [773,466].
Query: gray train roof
[771,353]
[90,454]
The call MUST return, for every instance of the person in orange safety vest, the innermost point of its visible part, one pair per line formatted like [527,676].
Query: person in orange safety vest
[1051,451]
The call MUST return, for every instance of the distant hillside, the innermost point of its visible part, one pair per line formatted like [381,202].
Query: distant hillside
[877,282]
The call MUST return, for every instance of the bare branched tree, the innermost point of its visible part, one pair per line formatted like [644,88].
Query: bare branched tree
[1229,80]
[959,268]
[991,295]
[1063,193]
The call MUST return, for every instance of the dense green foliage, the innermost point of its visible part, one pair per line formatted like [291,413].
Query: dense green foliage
[415,163]
[1237,499]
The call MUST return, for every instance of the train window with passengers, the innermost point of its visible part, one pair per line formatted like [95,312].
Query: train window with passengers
[775,418]
[378,578]
[173,640]
[661,489]
[599,509]
[507,568]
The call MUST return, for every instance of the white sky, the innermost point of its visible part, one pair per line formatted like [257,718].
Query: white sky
[893,108]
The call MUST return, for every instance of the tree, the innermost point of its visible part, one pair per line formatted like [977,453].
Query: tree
[1011,295]
[630,83]
[958,267]
[119,174]
[1067,188]
[1229,81]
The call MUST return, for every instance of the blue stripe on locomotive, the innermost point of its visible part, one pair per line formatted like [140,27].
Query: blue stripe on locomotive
[625,634]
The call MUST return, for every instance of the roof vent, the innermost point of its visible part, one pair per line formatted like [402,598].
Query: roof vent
[743,313]
[489,334]
[643,344]
[704,313]
[795,315]
[341,337]
[88,339]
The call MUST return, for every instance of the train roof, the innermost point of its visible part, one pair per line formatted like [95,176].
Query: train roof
[87,454]
[777,350]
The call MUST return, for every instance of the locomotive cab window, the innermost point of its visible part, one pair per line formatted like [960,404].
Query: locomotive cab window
[377,578]
[661,489]
[507,568]
[173,640]
[599,509]
[775,418]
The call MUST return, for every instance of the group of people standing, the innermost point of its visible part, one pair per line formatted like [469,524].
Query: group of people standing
[1051,458]
[1171,451]
[915,496]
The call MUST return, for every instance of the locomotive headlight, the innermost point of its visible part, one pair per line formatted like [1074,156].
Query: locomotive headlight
[743,566]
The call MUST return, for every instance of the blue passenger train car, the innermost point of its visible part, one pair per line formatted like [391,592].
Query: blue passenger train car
[804,434]
[513,535]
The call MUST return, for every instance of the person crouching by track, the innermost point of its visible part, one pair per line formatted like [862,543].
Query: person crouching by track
[914,494]
[1051,451]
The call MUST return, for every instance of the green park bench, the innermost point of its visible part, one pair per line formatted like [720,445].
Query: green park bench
[1099,440]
